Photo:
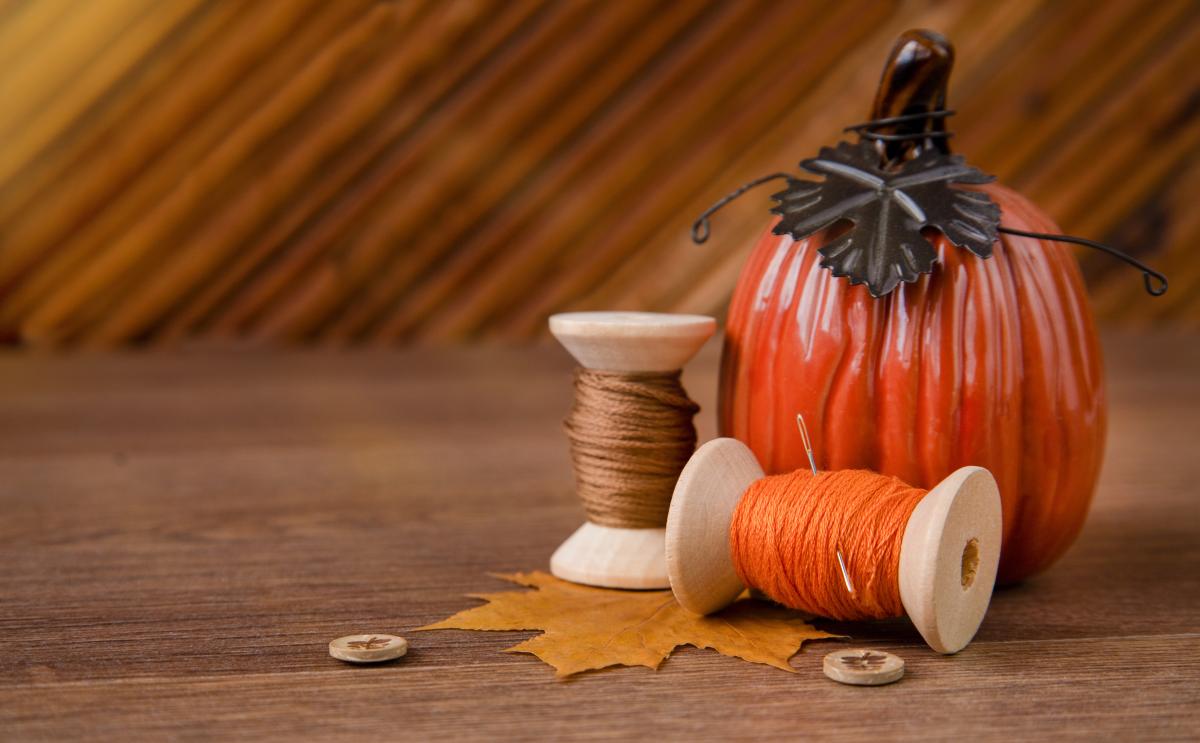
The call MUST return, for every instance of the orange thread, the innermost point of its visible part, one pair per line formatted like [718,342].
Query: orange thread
[787,529]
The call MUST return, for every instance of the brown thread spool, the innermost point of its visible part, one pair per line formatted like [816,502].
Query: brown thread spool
[623,342]
[948,555]
[631,433]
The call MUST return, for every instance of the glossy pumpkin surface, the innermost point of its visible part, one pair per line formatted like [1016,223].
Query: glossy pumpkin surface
[991,362]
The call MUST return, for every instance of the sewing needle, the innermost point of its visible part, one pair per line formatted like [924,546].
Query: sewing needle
[813,463]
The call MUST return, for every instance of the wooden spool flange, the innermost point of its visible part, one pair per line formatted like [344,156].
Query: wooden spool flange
[623,342]
[948,556]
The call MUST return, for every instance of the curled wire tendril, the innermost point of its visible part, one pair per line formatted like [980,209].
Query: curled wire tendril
[701,228]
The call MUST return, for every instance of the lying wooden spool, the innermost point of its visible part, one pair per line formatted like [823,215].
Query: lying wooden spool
[948,557]
[609,556]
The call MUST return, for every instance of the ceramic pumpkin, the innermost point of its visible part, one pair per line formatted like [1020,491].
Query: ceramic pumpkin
[989,361]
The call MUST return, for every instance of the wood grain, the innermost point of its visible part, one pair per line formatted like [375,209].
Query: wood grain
[182,534]
[378,173]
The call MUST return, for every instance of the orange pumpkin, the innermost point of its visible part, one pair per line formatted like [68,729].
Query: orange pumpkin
[990,362]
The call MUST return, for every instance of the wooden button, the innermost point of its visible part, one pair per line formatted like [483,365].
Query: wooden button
[368,648]
[863,667]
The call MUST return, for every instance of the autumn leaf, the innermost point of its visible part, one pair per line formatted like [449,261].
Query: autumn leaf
[585,628]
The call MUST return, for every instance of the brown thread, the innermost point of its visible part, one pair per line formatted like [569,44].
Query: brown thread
[787,529]
[631,433]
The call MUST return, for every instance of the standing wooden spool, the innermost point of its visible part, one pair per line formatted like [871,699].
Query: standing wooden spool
[608,556]
[948,556]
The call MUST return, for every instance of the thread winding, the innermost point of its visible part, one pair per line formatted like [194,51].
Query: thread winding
[631,434]
[787,529]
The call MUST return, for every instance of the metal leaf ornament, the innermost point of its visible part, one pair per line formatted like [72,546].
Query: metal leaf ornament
[888,209]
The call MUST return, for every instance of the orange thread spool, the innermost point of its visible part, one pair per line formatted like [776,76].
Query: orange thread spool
[931,556]
[787,529]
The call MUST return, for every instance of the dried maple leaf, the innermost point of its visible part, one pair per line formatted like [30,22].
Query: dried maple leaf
[586,628]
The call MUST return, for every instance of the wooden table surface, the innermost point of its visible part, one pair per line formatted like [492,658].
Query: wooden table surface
[182,534]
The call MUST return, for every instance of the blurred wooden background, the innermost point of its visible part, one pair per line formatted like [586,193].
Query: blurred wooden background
[440,170]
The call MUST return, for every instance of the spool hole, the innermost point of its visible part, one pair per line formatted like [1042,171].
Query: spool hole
[970,563]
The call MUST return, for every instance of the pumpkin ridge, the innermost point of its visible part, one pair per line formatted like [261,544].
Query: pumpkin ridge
[1011,398]
[767,417]
[877,316]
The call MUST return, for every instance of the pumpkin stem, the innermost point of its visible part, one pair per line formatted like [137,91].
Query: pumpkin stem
[910,105]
